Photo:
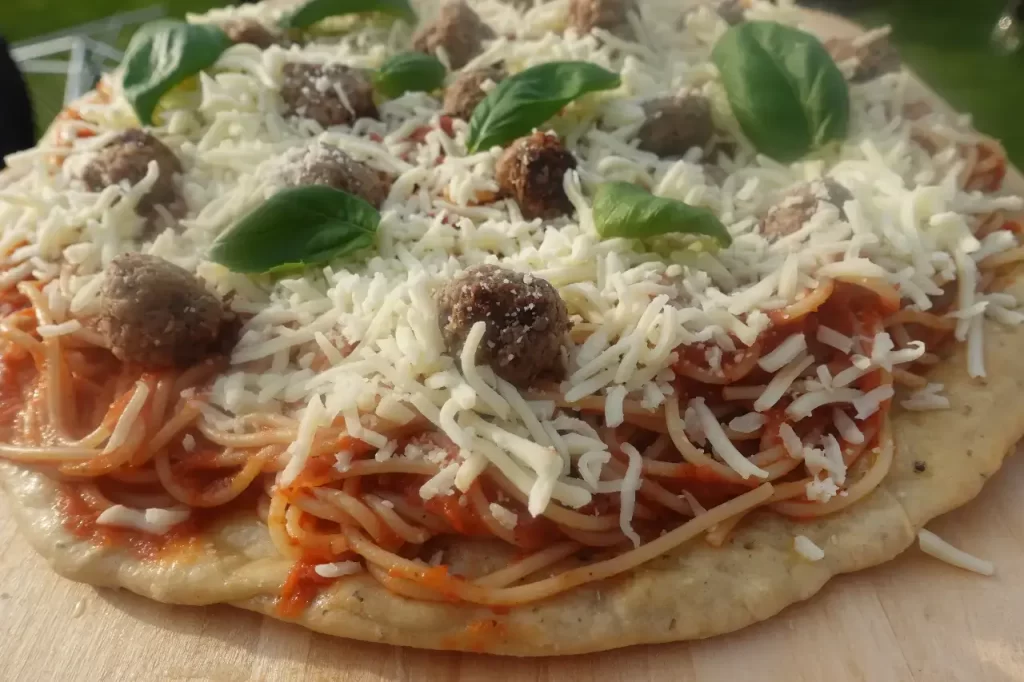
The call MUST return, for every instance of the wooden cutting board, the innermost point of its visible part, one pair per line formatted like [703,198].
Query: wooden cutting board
[914,619]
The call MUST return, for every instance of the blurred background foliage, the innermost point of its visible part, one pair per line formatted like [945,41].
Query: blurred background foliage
[947,42]
[26,19]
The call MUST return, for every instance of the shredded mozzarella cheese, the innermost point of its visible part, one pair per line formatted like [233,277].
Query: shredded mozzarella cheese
[806,548]
[630,486]
[933,545]
[338,569]
[721,444]
[154,520]
[126,422]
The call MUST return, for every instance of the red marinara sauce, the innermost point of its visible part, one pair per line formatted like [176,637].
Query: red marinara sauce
[301,588]
[480,636]
[80,520]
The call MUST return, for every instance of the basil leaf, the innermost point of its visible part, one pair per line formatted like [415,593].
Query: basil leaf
[312,11]
[625,210]
[526,100]
[161,55]
[409,72]
[785,90]
[296,227]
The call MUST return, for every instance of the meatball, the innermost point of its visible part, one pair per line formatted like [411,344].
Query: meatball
[458,29]
[732,11]
[526,321]
[874,59]
[674,125]
[462,96]
[531,172]
[156,314]
[126,158]
[800,205]
[330,94]
[250,31]
[325,164]
[611,15]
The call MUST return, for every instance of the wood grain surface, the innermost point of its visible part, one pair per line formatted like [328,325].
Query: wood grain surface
[912,620]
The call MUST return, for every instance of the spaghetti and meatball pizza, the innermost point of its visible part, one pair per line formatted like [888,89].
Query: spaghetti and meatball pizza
[524,327]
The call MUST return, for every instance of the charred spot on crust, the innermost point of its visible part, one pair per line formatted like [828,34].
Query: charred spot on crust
[126,158]
[330,94]
[531,171]
[526,321]
[156,314]
[458,29]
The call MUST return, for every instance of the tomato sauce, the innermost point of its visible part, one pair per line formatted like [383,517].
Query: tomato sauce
[80,520]
[436,579]
[301,588]
[11,301]
[462,518]
[17,377]
[479,636]
[1013,226]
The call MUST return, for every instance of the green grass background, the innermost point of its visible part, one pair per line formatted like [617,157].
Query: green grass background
[25,19]
[945,41]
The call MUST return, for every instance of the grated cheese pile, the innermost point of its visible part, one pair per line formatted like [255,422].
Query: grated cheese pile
[361,338]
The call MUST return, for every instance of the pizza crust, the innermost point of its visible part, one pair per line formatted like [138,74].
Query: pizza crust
[694,592]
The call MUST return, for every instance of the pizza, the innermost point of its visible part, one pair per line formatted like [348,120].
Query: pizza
[520,327]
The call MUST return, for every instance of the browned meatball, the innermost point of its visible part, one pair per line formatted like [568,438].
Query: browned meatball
[312,91]
[800,205]
[156,314]
[526,321]
[874,59]
[732,11]
[674,125]
[325,164]
[611,15]
[462,96]
[531,172]
[126,159]
[458,29]
[250,31]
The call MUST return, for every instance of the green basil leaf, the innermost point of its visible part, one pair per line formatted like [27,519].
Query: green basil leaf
[526,100]
[161,55]
[786,92]
[625,210]
[297,227]
[312,11]
[409,72]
